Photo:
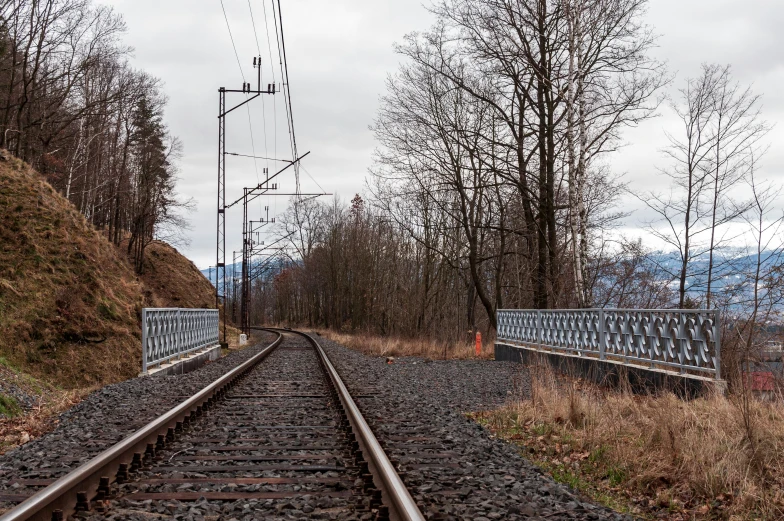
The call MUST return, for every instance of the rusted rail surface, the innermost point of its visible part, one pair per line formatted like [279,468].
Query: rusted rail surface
[95,480]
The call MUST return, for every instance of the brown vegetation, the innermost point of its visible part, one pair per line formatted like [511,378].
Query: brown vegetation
[18,429]
[654,456]
[70,301]
[376,345]
[73,107]
[171,280]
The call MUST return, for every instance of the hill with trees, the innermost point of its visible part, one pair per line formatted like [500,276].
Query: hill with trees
[70,299]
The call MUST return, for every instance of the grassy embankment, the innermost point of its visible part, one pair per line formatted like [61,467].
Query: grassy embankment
[70,303]
[657,457]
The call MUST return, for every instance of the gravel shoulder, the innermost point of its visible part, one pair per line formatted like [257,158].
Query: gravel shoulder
[105,417]
[417,410]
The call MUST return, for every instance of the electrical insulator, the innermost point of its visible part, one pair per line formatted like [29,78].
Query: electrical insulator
[269,88]
[254,61]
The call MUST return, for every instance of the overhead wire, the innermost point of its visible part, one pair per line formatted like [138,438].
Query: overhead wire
[277,16]
[231,36]
[263,111]
[247,107]
[255,34]
[274,80]
[286,92]
[313,179]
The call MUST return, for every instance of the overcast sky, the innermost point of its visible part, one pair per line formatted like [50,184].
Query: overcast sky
[339,54]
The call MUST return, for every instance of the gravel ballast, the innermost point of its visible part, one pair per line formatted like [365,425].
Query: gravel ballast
[454,468]
[105,417]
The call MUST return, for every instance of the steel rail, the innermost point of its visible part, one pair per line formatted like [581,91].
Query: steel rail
[402,506]
[62,494]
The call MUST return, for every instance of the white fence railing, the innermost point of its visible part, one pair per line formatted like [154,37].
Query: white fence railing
[169,333]
[686,341]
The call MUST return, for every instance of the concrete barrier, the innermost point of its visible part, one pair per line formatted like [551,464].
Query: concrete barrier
[186,364]
[639,379]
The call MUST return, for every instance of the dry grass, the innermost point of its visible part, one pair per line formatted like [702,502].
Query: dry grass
[70,303]
[18,426]
[172,280]
[375,345]
[38,421]
[655,456]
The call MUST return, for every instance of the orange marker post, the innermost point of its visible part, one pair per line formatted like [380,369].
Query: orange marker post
[478,343]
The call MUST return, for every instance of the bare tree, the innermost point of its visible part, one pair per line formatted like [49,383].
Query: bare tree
[70,105]
[721,129]
[738,130]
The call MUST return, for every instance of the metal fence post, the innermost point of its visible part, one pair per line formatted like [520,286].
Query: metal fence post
[717,336]
[144,340]
[539,332]
[602,353]
[176,328]
[682,354]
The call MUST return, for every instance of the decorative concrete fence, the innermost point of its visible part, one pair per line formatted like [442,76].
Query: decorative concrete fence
[684,342]
[170,333]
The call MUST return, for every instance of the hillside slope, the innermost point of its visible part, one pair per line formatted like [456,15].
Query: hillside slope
[70,303]
[172,280]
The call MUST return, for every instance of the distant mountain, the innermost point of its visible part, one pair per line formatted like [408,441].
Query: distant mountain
[235,270]
[732,269]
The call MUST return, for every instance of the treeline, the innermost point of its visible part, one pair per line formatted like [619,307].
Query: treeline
[490,188]
[73,107]
[349,266]
[489,166]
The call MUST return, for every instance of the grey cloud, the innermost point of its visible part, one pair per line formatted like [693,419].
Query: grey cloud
[340,53]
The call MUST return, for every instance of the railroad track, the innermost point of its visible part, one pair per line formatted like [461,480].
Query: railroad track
[277,437]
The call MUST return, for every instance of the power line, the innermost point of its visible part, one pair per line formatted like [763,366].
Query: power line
[274,104]
[313,179]
[242,73]
[269,45]
[286,88]
[259,157]
[284,79]
[287,84]
[255,34]
[263,104]
[236,55]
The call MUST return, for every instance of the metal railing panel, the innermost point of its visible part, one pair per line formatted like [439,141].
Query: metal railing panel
[684,340]
[169,333]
